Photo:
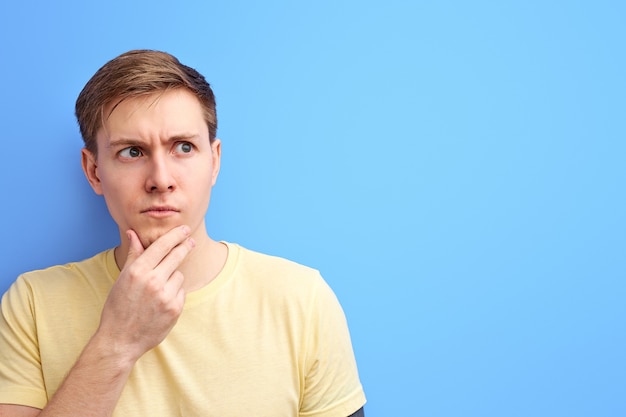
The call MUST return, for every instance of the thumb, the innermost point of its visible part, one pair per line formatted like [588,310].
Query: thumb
[135,248]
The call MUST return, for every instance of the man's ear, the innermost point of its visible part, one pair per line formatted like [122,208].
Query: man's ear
[216,150]
[90,167]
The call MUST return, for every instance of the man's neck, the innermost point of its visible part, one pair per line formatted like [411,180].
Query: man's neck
[203,264]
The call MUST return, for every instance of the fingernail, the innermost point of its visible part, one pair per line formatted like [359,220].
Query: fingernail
[193,242]
[186,230]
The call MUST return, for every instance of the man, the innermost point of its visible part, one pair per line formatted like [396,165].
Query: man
[170,322]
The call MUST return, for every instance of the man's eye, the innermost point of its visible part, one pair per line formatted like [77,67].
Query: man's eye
[130,152]
[184,147]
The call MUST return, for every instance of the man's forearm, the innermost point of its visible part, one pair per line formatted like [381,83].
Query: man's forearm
[93,386]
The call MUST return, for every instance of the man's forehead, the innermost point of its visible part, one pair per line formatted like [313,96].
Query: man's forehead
[164,113]
[128,104]
[179,102]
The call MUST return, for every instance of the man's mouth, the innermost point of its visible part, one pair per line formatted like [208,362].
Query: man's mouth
[160,211]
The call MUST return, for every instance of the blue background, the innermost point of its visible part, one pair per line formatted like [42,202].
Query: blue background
[455,170]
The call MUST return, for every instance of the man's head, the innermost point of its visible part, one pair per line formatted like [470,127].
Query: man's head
[150,148]
[135,74]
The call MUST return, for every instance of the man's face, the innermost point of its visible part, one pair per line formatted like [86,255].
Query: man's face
[155,164]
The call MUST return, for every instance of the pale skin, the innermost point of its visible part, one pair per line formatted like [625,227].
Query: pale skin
[155,168]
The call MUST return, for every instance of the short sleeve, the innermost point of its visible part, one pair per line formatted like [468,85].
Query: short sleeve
[21,380]
[332,386]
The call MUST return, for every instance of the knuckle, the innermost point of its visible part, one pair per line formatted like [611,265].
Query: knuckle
[173,309]
[178,276]
[152,287]
[133,270]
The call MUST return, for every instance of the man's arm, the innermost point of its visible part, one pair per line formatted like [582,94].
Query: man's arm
[141,309]
[12,410]
[92,388]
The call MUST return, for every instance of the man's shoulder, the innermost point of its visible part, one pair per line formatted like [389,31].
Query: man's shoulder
[287,283]
[93,267]
[265,270]
[265,262]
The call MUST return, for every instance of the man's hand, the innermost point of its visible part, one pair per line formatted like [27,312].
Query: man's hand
[141,309]
[147,298]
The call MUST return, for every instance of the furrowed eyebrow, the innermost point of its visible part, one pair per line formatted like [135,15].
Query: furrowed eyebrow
[135,142]
[124,142]
[183,137]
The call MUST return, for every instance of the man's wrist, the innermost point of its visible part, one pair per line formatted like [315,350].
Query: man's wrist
[107,352]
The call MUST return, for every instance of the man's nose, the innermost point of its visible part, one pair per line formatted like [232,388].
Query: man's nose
[160,178]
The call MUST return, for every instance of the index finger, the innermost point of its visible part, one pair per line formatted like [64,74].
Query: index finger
[159,250]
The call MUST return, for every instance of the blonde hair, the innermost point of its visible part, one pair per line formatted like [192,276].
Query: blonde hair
[133,74]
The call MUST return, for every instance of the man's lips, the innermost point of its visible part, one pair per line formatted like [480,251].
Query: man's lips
[160,211]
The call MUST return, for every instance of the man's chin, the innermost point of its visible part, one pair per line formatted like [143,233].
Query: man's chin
[148,237]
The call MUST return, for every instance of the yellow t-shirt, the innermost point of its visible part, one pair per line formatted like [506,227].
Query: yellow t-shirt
[267,337]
